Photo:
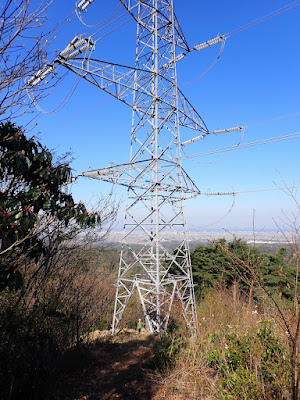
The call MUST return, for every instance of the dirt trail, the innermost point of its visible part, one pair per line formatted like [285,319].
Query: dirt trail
[111,371]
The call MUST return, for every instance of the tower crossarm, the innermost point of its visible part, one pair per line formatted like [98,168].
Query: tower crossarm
[134,8]
[135,175]
[190,118]
[120,81]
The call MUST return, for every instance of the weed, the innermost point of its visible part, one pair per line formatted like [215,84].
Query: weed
[250,364]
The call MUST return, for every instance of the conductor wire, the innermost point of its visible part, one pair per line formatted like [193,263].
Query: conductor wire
[61,105]
[264,18]
[282,117]
[197,78]
[246,145]
[113,30]
[220,219]
[240,29]
[110,23]
[105,21]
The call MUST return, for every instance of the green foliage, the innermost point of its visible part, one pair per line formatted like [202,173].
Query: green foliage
[277,275]
[168,348]
[225,263]
[216,263]
[250,364]
[209,264]
[59,294]
[32,195]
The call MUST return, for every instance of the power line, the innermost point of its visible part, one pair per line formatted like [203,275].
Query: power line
[61,105]
[235,31]
[113,30]
[263,18]
[245,145]
[103,22]
[208,69]
[264,122]
[267,190]
[110,23]
[219,219]
[248,191]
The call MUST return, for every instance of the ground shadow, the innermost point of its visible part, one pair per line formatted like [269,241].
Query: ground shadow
[108,371]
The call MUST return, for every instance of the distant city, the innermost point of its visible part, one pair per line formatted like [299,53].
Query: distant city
[201,237]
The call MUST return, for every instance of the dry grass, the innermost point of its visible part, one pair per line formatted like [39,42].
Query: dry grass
[191,378]
[120,336]
[187,381]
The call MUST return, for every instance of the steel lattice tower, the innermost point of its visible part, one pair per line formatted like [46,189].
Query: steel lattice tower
[156,182]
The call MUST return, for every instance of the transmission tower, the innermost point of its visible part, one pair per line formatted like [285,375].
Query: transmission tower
[156,183]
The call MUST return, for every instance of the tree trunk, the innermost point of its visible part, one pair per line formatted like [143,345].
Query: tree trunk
[234,292]
[280,290]
[295,372]
[296,288]
[250,294]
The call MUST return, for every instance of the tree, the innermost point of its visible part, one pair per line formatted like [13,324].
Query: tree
[277,274]
[33,199]
[212,265]
[52,290]
[23,52]
[209,265]
[270,271]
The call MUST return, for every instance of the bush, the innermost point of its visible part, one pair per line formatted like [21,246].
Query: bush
[54,317]
[237,355]
[168,349]
[28,352]
[252,365]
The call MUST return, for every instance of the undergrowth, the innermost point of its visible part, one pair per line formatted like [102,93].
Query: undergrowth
[252,365]
[237,354]
[168,348]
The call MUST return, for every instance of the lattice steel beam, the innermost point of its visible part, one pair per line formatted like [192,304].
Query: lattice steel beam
[156,183]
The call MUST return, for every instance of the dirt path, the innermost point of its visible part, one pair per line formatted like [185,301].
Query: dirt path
[110,371]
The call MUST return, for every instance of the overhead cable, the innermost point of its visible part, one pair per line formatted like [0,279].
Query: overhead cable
[113,30]
[234,193]
[264,18]
[241,128]
[207,69]
[61,105]
[222,38]
[269,121]
[245,145]
[110,23]
[264,190]
[101,23]
[220,219]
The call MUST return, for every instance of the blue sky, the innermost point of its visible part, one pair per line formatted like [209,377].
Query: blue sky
[255,79]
